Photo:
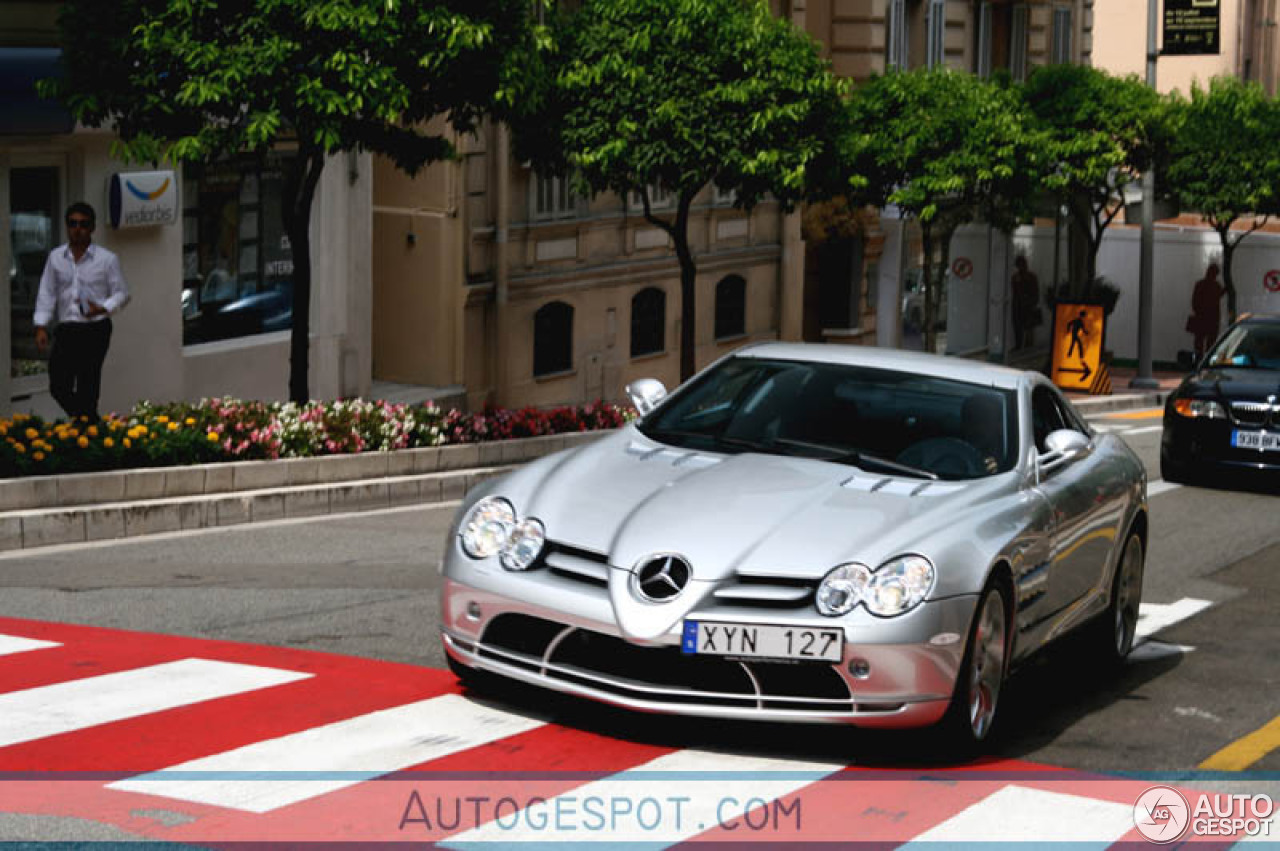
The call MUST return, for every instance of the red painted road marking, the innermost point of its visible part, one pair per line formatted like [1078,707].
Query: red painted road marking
[512,780]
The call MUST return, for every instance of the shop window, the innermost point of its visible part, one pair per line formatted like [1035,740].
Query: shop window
[236,259]
[553,339]
[648,321]
[731,307]
[35,227]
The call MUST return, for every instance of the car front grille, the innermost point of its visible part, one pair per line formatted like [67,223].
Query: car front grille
[588,567]
[663,674]
[1255,414]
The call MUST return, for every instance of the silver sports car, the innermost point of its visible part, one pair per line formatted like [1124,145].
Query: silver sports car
[806,533]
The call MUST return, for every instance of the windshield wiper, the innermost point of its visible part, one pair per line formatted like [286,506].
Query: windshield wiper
[861,459]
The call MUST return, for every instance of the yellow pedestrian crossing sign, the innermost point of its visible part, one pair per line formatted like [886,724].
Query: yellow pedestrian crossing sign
[1078,330]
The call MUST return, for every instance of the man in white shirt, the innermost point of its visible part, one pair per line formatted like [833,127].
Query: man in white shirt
[81,287]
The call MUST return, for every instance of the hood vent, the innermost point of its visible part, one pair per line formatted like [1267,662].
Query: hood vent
[900,487]
[674,457]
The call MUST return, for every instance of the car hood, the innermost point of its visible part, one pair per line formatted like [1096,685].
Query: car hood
[1235,383]
[629,498]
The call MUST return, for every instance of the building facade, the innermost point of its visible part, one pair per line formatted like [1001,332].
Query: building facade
[210,308]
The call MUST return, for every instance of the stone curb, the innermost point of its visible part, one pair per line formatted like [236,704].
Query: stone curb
[1122,402]
[51,526]
[167,483]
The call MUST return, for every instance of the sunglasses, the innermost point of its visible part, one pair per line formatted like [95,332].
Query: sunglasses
[79,223]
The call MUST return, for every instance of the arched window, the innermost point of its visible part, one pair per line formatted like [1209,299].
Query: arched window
[648,321]
[553,338]
[731,307]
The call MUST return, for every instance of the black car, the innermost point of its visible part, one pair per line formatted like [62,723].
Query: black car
[1225,417]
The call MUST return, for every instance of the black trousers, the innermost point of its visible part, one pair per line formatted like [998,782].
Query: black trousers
[75,366]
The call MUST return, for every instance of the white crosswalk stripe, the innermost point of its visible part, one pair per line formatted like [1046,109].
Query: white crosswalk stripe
[10,644]
[1019,814]
[336,755]
[68,706]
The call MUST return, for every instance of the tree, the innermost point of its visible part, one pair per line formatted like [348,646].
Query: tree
[1103,132]
[194,80]
[679,95]
[1224,164]
[947,148]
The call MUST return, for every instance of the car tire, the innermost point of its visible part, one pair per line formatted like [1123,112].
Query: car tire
[1115,632]
[975,700]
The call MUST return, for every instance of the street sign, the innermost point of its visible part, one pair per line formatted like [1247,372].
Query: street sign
[962,267]
[1078,330]
[1271,281]
[1191,27]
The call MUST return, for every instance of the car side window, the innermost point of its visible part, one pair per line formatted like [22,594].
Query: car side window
[1046,416]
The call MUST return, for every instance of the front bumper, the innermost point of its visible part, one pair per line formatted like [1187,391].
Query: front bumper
[1204,445]
[566,639]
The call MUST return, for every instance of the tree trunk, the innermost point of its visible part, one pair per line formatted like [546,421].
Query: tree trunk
[1228,283]
[300,181]
[926,238]
[688,291]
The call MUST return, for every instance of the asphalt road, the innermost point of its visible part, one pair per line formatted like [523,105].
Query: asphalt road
[365,585]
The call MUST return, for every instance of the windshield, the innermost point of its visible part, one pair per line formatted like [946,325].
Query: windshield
[1251,345]
[894,422]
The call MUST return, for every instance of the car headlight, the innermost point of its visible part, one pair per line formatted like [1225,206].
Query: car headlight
[899,586]
[841,589]
[1206,408]
[487,527]
[524,542]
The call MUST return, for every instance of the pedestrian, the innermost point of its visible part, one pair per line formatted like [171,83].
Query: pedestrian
[1204,318]
[1026,303]
[82,286]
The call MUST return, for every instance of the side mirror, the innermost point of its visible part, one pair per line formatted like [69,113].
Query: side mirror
[646,393]
[1066,442]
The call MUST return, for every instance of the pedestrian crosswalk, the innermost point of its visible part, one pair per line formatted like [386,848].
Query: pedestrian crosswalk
[196,741]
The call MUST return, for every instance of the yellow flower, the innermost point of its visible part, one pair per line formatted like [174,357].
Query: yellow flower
[32,434]
[190,420]
[212,436]
[39,456]
[173,426]
[127,443]
[19,448]
[162,419]
[74,432]
[83,443]
[93,431]
[141,428]
[108,442]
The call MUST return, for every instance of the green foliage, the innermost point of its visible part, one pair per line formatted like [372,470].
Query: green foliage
[943,146]
[1103,131]
[197,79]
[680,93]
[947,148]
[1224,161]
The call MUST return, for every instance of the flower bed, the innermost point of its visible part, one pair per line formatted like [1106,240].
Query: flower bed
[179,433]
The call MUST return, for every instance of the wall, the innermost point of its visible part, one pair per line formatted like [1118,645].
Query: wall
[1120,45]
[1181,254]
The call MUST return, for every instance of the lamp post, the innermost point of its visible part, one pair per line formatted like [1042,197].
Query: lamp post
[1146,253]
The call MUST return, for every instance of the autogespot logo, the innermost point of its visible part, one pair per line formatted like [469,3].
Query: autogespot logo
[1161,814]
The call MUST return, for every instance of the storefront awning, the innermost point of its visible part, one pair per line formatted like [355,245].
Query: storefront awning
[22,111]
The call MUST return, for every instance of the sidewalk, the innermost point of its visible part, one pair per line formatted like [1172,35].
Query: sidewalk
[49,510]
[1123,397]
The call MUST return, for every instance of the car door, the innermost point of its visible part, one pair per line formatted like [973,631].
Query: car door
[1084,512]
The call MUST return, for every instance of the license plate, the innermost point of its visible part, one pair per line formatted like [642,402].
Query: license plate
[1255,440]
[766,641]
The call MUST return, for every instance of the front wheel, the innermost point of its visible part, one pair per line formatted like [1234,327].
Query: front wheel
[976,698]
